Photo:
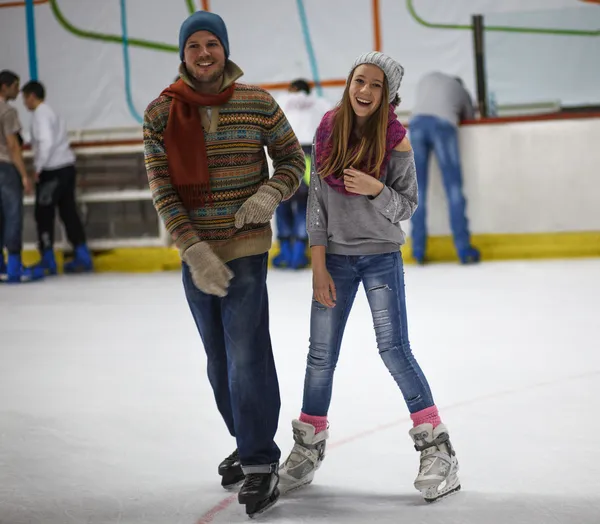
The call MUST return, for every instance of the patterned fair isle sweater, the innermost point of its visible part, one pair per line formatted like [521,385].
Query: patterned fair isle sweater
[236,134]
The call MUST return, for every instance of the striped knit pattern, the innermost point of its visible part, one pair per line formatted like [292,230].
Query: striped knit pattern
[238,166]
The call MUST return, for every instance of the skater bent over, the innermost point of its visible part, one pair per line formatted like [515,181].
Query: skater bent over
[442,103]
[204,140]
[363,183]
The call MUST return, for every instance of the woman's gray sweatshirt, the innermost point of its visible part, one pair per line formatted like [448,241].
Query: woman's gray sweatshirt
[361,225]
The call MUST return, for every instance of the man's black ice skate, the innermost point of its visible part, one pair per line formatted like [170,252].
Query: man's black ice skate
[259,492]
[231,471]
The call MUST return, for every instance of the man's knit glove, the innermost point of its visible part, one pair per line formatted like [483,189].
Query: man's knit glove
[259,208]
[209,273]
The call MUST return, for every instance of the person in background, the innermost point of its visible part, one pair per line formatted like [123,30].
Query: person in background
[442,102]
[304,110]
[14,181]
[55,174]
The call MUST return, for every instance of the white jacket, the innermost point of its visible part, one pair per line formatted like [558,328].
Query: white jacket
[304,113]
[49,140]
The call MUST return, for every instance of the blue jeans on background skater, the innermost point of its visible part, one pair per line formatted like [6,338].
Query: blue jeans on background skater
[290,216]
[427,134]
[11,209]
[382,277]
[241,368]
[291,231]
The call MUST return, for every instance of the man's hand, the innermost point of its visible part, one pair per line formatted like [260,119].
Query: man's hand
[259,208]
[209,273]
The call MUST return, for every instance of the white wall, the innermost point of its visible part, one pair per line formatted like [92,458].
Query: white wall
[527,177]
[86,78]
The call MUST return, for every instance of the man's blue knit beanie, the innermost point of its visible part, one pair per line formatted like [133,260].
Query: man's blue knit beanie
[203,21]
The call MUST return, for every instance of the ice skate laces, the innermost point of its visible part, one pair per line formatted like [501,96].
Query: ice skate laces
[253,481]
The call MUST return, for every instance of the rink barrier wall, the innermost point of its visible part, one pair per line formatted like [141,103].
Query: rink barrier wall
[531,182]
[537,174]
[583,244]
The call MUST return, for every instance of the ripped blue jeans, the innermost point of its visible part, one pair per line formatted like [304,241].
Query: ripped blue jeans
[382,277]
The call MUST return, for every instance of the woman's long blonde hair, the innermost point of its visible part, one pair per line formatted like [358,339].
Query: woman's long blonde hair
[370,149]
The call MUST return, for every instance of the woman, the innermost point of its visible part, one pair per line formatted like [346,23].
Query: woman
[363,183]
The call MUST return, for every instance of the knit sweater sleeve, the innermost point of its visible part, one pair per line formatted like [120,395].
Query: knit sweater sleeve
[164,197]
[399,198]
[285,151]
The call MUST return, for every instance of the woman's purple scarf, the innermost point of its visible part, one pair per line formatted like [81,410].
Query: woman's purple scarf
[324,146]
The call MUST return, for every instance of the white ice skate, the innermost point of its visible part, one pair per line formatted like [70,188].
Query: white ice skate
[438,474]
[305,458]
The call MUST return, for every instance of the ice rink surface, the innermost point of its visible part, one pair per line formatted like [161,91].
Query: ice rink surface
[107,417]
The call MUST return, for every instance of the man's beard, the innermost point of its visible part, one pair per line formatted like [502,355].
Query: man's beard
[210,79]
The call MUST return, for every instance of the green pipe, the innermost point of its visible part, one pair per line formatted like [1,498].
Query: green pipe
[169,48]
[506,29]
[191,7]
[157,46]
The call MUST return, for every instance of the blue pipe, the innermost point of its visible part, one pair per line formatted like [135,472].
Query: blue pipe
[31,44]
[128,93]
[309,47]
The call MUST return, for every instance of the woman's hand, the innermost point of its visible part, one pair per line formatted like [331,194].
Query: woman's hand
[323,287]
[362,184]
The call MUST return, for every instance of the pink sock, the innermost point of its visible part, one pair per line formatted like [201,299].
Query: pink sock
[427,415]
[320,423]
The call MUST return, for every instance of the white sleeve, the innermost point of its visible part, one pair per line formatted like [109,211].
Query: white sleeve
[42,131]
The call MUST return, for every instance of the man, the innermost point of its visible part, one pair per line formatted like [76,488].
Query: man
[442,103]
[304,112]
[13,182]
[55,173]
[204,140]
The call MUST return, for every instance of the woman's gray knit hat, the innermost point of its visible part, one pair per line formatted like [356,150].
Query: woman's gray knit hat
[392,70]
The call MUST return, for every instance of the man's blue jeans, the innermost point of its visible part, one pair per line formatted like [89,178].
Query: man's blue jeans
[241,368]
[382,277]
[427,134]
[11,209]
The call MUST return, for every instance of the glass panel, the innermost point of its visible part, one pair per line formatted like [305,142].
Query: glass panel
[549,56]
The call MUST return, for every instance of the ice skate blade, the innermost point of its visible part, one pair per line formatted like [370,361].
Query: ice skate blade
[231,480]
[431,500]
[289,488]
[256,509]
[233,487]
[288,484]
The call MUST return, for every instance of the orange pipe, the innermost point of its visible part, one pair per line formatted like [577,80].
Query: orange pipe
[341,82]
[205,5]
[22,4]
[376,25]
